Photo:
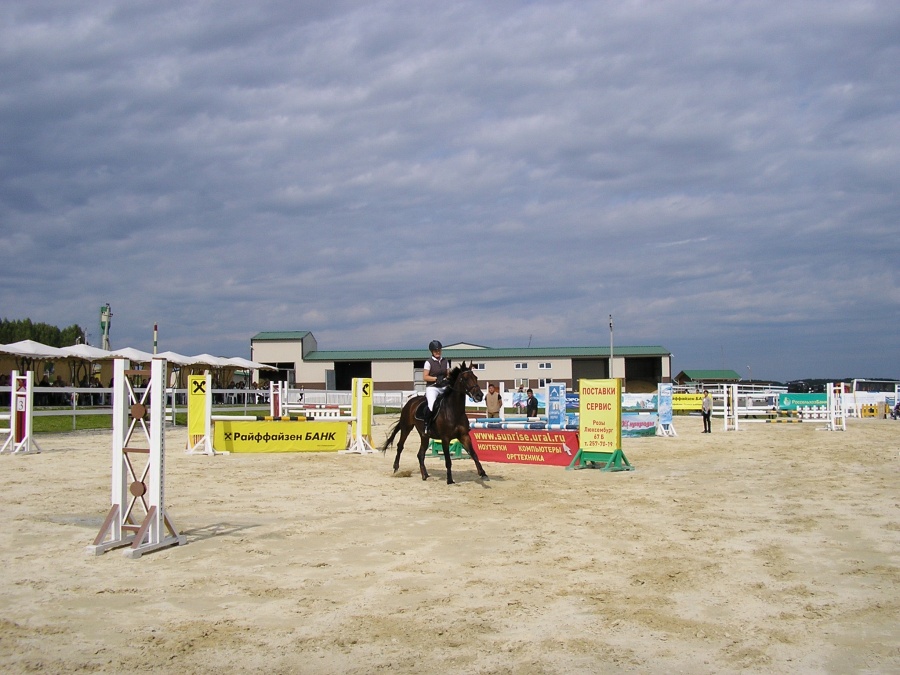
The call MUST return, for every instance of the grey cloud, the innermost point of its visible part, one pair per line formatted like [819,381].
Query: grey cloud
[383,173]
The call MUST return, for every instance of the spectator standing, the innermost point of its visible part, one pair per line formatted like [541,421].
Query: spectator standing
[531,405]
[706,411]
[493,401]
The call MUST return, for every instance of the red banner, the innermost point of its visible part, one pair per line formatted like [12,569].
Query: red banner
[525,446]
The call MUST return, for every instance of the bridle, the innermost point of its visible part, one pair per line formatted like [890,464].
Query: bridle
[470,388]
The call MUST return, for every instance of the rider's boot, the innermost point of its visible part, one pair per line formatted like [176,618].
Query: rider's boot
[428,414]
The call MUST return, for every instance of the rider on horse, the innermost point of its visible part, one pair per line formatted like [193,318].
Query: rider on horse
[435,376]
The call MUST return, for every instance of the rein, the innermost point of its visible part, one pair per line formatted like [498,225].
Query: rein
[468,391]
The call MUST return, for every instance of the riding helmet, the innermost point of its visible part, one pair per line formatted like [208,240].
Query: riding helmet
[434,345]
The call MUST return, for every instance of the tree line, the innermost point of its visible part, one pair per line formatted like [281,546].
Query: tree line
[25,329]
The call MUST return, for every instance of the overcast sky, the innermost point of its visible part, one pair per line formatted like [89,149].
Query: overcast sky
[721,177]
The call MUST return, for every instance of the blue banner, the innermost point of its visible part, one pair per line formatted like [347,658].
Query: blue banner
[556,403]
[664,403]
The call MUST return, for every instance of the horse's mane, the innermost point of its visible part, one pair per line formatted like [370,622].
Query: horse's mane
[454,374]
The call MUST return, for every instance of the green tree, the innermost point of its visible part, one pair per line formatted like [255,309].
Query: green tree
[26,329]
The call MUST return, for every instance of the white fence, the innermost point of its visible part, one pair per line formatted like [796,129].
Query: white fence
[75,401]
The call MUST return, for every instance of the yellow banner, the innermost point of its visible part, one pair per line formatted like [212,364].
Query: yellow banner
[280,436]
[687,401]
[197,391]
[600,415]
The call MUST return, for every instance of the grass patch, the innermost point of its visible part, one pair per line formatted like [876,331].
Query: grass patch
[62,423]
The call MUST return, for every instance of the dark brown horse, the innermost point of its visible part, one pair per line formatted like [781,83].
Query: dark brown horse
[450,421]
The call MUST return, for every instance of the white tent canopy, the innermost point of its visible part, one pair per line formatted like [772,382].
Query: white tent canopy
[177,359]
[33,350]
[250,365]
[133,354]
[88,353]
[210,360]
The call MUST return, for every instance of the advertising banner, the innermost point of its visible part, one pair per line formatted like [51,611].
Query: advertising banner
[279,436]
[687,401]
[556,404]
[664,403]
[197,408]
[525,446]
[638,424]
[638,402]
[793,401]
[600,421]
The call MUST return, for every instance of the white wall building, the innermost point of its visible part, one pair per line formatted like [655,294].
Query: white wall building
[302,364]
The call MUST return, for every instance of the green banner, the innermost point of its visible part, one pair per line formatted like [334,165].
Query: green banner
[794,401]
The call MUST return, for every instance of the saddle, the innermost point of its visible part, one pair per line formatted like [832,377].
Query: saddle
[423,406]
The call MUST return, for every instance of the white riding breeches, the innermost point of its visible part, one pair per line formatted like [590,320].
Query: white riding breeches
[431,394]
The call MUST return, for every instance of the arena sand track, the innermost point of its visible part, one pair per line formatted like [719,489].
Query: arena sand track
[771,549]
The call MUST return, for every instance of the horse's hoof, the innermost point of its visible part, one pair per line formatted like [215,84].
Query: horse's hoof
[450,481]
[485,477]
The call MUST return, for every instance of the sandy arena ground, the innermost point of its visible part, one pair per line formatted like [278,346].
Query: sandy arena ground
[771,549]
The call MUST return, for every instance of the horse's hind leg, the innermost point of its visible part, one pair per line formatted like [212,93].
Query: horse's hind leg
[403,434]
[422,448]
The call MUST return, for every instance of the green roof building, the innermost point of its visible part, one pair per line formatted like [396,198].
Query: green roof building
[302,364]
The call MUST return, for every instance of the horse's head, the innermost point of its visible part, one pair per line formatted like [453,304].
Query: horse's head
[463,378]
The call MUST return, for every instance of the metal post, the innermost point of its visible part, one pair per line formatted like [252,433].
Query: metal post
[610,346]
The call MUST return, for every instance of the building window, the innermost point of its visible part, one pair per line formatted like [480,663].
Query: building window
[545,366]
[521,366]
[477,366]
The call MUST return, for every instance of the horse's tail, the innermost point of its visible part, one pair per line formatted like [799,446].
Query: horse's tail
[390,439]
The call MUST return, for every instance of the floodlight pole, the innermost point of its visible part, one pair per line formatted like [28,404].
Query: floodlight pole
[610,346]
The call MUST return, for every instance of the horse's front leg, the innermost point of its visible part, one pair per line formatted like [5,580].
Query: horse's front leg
[422,448]
[447,461]
[467,444]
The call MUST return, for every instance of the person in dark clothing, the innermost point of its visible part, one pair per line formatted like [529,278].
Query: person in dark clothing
[435,375]
[531,404]
[706,410]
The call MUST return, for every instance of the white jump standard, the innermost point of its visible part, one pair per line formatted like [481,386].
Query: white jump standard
[138,493]
[20,439]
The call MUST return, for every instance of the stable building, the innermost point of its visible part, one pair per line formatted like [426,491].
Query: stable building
[302,364]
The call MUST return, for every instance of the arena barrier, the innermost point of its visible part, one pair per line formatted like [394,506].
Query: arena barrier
[280,407]
[20,430]
[318,429]
[138,514]
[525,423]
